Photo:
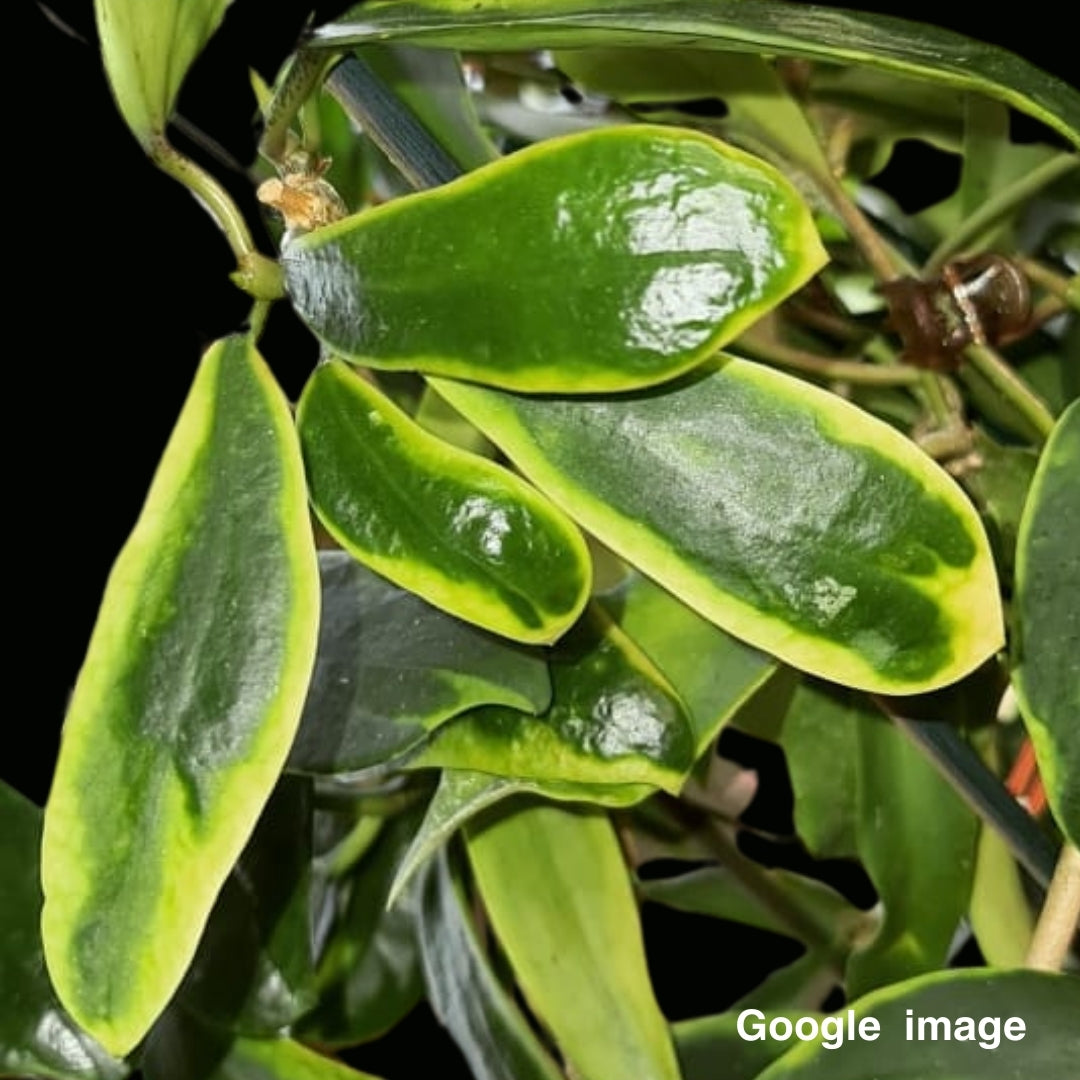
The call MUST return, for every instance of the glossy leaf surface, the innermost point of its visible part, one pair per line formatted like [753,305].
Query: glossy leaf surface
[645,249]
[147,49]
[916,838]
[764,26]
[186,704]
[465,992]
[1048,1005]
[713,672]
[1046,673]
[781,513]
[558,895]
[467,535]
[614,719]
[391,668]
[37,1038]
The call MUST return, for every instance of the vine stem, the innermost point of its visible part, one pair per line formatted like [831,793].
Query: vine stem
[255,273]
[999,205]
[1011,387]
[1060,915]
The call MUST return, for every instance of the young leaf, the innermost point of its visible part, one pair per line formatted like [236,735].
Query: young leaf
[614,719]
[147,49]
[977,1050]
[778,511]
[765,26]
[557,891]
[467,535]
[186,704]
[1046,675]
[36,1037]
[391,668]
[645,248]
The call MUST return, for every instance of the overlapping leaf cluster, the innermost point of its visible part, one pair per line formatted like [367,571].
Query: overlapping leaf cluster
[570,543]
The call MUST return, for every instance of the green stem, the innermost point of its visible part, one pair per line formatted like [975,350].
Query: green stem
[884,261]
[1054,283]
[255,273]
[1024,401]
[998,206]
[824,367]
[299,83]
[1060,915]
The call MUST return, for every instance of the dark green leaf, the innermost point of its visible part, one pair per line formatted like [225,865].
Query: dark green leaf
[37,1038]
[712,1046]
[466,994]
[391,668]
[1045,674]
[187,702]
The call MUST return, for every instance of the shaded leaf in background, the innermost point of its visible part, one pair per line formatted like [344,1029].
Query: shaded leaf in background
[916,838]
[253,973]
[765,26]
[36,1037]
[186,704]
[1047,609]
[391,668]
[466,994]
[558,894]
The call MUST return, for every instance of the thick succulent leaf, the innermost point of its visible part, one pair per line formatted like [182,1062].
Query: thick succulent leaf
[916,838]
[391,668]
[147,50]
[1046,675]
[36,1037]
[186,704]
[461,795]
[645,249]
[805,983]
[369,973]
[1048,1004]
[714,673]
[558,895]
[778,511]
[765,26]
[820,739]
[614,719]
[254,972]
[467,535]
[712,1046]
[466,994]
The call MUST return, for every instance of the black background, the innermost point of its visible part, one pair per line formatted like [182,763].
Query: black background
[120,281]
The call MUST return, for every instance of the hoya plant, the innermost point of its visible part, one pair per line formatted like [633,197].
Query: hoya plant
[646,424]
